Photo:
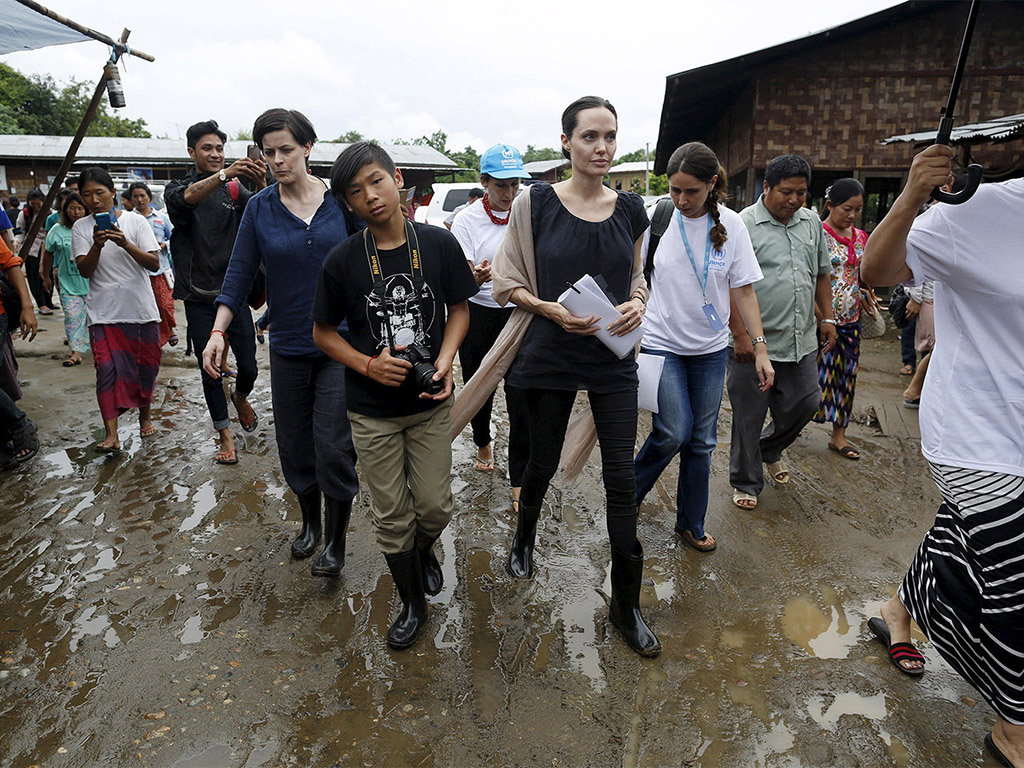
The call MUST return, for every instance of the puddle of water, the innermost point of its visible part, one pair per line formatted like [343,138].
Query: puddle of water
[204,499]
[192,632]
[217,755]
[896,749]
[823,634]
[871,707]
[488,681]
[88,624]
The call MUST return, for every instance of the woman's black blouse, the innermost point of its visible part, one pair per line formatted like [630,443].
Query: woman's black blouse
[566,248]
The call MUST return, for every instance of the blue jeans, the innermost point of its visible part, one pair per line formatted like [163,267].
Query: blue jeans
[689,396]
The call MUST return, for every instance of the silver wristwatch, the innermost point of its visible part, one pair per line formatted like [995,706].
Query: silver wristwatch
[222,176]
[759,340]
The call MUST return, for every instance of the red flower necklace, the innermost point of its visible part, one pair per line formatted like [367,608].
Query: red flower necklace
[495,219]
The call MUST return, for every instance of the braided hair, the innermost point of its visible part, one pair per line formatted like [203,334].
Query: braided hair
[696,159]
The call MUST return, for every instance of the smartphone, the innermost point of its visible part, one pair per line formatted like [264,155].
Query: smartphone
[103,220]
[253,152]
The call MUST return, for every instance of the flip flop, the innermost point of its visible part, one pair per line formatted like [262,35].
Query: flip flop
[743,500]
[227,457]
[248,422]
[25,439]
[484,465]
[847,451]
[913,403]
[897,651]
[69,363]
[148,431]
[707,544]
[778,471]
[907,370]
[996,752]
[173,341]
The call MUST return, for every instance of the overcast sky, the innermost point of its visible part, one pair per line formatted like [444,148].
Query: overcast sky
[483,72]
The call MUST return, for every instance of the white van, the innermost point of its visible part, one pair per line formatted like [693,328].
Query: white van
[447,197]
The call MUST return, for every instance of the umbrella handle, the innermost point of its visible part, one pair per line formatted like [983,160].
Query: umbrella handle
[974,172]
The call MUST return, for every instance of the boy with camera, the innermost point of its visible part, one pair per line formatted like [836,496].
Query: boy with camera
[403,288]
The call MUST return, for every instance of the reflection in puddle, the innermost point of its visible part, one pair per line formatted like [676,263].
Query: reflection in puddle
[871,707]
[193,631]
[203,500]
[88,624]
[822,635]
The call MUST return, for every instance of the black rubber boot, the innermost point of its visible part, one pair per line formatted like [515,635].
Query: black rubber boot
[336,517]
[305,543]
[405,570]
[433,579]
[520,558]
[627,571]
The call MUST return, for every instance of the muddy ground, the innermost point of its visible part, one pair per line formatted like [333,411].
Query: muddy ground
[151,613]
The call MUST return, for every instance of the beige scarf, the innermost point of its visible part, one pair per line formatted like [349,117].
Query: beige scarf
[515,267]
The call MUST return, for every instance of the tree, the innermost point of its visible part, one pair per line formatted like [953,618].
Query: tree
[437,140]
[350,137]
[636,156]
[39,105]
[242,134]
[533,155]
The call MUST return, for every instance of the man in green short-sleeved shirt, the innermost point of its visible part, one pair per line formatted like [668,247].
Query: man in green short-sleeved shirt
[790,246]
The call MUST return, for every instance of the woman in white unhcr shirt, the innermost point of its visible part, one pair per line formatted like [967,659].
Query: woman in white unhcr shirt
[704,254]
[480,228]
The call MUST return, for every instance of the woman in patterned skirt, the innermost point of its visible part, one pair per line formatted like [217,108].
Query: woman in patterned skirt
[837,368]
[965,587]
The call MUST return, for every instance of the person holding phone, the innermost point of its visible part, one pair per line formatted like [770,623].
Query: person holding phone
[115,253]
[206,208]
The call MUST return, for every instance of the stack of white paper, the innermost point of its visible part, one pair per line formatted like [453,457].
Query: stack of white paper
[587,298]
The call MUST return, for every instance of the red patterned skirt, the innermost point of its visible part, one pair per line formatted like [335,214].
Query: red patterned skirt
[127,358]
[165,304]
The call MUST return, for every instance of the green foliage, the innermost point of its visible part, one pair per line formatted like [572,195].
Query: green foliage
[39,105]
[636,156]
[659,185]
[350,137]
[437,140]
[242,135]
[533,155]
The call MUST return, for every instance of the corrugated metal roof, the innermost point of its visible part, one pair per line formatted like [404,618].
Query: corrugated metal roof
[636,167]
[999,129]
[543,166]
[104,149]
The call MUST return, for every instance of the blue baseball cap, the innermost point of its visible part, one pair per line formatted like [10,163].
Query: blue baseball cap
[503,162]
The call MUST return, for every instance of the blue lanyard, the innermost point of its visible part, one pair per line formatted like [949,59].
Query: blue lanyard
[689,252]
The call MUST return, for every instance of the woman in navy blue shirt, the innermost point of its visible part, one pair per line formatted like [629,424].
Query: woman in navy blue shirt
[288,228]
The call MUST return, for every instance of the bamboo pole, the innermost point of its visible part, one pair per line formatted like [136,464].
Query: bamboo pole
[69,158]
[120,47]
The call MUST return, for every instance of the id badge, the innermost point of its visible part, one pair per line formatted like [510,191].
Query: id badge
[713,319]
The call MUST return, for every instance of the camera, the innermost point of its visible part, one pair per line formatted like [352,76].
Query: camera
[423,369]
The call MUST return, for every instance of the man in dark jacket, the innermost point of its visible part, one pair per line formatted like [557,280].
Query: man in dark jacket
[206,207]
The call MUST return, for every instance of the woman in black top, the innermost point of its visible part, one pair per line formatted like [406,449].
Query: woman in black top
[582,227]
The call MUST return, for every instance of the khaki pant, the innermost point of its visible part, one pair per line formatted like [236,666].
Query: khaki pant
[407,464]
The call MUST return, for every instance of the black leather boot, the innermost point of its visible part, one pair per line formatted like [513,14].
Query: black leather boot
[405,570]
[520,558]
[305,543]
[433,579]
[627,571]
[336,517]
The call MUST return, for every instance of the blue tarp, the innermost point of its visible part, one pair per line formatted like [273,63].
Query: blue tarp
[22,29]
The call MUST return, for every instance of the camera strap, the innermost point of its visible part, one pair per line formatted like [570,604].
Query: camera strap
[412,244]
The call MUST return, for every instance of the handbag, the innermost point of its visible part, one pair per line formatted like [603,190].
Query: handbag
[898,306]
[872,323]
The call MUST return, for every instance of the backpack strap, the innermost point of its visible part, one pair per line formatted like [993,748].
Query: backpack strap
[233,190]
[659,225]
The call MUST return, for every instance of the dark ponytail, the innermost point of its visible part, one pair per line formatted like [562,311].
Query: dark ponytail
[697,160]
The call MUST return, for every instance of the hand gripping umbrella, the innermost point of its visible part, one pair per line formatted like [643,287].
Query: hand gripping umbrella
[974,171]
